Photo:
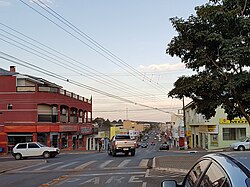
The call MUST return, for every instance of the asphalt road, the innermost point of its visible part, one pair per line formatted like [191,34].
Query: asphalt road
[96,169]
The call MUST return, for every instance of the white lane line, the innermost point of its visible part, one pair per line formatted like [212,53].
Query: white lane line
[82,166]
[103,174]
[144,163]
[65,165]
[123,163]
[41,168]
[105,163]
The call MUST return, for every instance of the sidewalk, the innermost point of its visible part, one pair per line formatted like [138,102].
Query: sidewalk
[180,162]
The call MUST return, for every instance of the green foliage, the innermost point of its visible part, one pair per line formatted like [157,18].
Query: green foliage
[215,44]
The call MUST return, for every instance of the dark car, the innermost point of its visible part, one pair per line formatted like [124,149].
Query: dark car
[228,169]
[144,145]
[164,146]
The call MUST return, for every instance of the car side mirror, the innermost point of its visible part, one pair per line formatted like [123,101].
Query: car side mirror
[169,183]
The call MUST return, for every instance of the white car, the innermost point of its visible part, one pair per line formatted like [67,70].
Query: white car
[241,145]
[32,149]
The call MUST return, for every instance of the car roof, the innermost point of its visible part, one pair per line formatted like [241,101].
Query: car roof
[242,157]
[236,165]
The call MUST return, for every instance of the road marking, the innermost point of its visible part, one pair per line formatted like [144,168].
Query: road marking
[65,165]
[105,163]
[41,168]
[123,163]
[144,163]
[103,174]
[82,166]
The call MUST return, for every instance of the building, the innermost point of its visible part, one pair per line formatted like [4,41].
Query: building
[215,133]
[132,125]
[34,109]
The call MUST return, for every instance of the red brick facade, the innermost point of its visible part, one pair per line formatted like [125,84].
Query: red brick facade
[33,109]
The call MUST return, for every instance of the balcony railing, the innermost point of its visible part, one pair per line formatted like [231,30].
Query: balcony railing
[63,119]
[73,119]
[47,89]
[47,118]
[25,88]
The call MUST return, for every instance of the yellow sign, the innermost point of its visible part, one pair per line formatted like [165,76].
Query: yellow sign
[233,121]
[212,129]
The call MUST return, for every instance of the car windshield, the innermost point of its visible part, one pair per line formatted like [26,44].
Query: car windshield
[122,137]
[41,145]
[243,139]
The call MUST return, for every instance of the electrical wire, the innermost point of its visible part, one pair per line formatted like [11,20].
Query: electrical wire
[64,21]
[28,65]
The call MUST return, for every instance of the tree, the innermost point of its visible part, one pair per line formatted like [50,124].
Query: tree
[215,44]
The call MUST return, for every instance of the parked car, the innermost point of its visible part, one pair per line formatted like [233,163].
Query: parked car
[164,146]
[32,149]
[229,169]
[144,145]
[241,145]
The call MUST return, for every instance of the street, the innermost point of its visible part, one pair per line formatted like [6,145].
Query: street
[97,169]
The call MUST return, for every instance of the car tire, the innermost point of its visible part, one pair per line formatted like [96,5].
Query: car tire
[113,153]
[109,152]
[46,154]
[133,152]
[241,148]
[18,156]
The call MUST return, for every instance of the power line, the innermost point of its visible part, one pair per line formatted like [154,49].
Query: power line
[103,49]
[60,63]
[26,64]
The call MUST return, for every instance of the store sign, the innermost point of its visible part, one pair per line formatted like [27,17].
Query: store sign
[181,132]
[86,130]
[212,129]
[67,128]
[233,121]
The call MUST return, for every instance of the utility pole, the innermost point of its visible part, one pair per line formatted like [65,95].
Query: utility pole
[184,124]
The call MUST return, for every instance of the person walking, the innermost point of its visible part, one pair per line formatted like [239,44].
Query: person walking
[100,144]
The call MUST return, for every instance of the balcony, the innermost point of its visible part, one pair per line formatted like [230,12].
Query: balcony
[63,118]
[47,118]
[25,88]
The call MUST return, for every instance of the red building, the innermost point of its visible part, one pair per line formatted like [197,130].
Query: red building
[34,109]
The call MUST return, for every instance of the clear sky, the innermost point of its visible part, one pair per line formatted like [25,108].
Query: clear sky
[117,47]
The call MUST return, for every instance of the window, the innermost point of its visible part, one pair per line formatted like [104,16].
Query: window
[33,145]
[122,137]
[233,133]
[9,106]
[214,177]
[22,146]
[193,176]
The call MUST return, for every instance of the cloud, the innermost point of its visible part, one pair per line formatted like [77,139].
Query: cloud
[4,3]
[162,67]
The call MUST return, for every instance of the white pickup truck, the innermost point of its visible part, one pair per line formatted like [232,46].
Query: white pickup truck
[121,143]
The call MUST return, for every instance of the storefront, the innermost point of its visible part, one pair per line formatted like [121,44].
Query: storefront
[232,130]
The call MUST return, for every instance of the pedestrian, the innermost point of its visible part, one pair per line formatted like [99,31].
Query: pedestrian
[100,144]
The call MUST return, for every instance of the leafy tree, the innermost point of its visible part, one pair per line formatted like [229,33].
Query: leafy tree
[215,44]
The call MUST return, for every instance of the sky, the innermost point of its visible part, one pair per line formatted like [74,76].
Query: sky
[112,51]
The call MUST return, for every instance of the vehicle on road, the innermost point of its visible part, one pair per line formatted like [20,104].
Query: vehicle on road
[144,145]
[229,169]
[121,143]
[242,145]
[164,146]
[33,149]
